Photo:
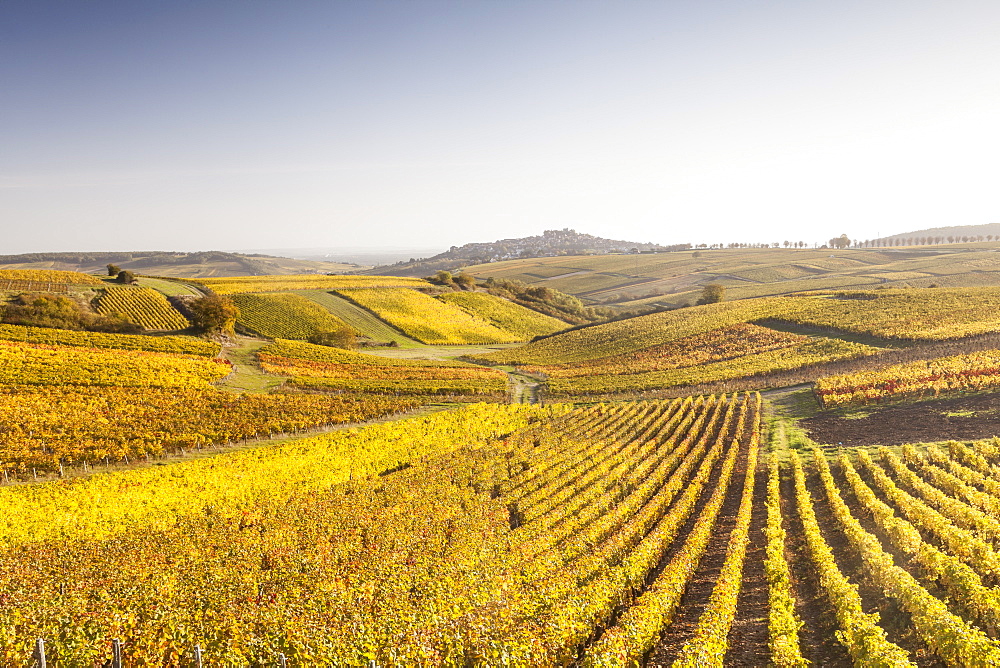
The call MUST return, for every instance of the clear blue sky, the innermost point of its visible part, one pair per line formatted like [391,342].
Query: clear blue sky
[245,124]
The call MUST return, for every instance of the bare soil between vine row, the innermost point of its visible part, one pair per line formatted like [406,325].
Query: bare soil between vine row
[961,418]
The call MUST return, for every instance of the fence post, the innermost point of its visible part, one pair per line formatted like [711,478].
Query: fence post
[197,656]
[40,652]
[116,653]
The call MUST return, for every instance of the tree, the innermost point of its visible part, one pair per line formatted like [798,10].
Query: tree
[840,242]
[214,314]
[712,293]
[127,277]
[342,337]
[113,269]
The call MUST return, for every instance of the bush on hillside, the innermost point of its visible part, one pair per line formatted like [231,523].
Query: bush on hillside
[214,314]
[712,293]
[127,277]
[339,338]
[61,312]
[544,300]
[465,281]
[443,278]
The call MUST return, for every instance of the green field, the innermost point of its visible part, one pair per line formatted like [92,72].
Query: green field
[169,288]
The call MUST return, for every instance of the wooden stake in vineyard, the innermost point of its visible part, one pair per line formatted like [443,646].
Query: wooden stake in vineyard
[116,653]
[39,656]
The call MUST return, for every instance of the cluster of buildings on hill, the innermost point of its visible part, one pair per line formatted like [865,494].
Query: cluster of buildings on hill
[550,243]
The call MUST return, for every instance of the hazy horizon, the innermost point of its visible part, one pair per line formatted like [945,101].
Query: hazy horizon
[429,124]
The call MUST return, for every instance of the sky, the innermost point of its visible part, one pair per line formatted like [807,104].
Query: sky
[259,124]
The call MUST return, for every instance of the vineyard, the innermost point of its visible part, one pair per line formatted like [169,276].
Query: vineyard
[899,316]
[48,428]
[810,352]
[399,509]
[648,533]
[287,316]
[362,321]
[180,345]
[904,315]
[427,319]
[329,369]
[737,351]
[45,276]
[283,283]
[141,306]
[969,373]
[504,314]
[714,346]
[504,537]
[39,364]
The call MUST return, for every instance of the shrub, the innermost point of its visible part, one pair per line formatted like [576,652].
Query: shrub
[61,312]
[712,293]
[339,338]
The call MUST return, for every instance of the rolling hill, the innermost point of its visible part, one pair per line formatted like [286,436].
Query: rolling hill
[550,243]
[760,337]
[675,278]
[942,235]
[595,530]
[160,263]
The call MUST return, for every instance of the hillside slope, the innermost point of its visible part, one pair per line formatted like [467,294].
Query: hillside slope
[676,278]
[891,315]
[549,243]
[506,315]
[363,322]
[940,235]
[283,315]
[721,343]
[425,318]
